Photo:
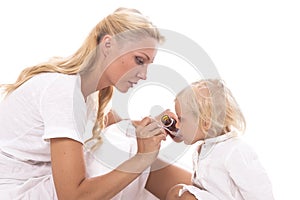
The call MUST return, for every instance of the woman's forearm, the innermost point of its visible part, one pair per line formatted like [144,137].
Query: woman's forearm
[69,172]
[110,184]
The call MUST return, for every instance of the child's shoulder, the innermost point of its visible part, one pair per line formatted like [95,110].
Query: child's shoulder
[238,143]
[240,148]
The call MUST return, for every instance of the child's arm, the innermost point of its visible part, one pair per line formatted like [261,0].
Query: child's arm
[163,176]
[248,174]
[176,193]
[189,192]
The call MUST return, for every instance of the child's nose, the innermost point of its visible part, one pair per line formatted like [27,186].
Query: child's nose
[177,125]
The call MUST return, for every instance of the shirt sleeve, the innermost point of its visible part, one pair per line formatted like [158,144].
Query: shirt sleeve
[198,193]
[63,109]
[248,174]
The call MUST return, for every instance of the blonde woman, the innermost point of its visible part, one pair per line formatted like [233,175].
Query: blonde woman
[43,114]
[225,167]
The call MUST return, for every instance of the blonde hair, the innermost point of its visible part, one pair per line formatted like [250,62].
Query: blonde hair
[212,102]
[121,20]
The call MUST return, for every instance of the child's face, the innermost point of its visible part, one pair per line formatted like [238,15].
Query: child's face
[188,124]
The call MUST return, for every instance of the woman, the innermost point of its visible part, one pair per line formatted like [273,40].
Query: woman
[44,112]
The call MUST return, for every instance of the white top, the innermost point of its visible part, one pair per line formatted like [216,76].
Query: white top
[47,106]
[118,145]
[228,168]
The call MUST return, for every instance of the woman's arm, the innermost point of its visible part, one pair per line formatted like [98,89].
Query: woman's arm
[112,118]
[69,171]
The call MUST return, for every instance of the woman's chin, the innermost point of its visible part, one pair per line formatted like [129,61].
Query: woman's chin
[123,89]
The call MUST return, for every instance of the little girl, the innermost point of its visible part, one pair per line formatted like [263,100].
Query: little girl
[224,166]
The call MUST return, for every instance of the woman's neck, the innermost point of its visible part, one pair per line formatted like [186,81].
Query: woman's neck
[92,80]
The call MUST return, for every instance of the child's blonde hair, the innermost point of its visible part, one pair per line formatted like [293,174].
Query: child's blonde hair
[212,103]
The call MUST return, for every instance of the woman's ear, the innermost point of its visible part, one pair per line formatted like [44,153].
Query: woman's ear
[106,44]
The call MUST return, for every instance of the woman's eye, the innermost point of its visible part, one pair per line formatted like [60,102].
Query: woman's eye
[139,60]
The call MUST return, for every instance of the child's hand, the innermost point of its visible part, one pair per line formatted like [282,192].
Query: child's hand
[188,196]
[175,193]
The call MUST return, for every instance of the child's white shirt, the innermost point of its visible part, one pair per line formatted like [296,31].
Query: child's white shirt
[228,168]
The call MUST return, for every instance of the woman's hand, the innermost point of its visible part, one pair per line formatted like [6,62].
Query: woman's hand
[149,136]
[166,112]
[112,117]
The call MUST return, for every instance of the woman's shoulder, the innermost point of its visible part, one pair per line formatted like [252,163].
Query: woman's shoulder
[48,85]
[56,80]
[55,76]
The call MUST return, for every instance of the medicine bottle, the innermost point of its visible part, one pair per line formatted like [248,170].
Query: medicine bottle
[170,125]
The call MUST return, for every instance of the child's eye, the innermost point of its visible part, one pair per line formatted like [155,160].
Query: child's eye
[139,60]
[179,119]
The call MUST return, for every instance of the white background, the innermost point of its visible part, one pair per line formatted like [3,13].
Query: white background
[254,44]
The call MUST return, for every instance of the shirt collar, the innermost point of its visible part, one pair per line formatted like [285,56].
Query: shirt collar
[208,145]
[220,138]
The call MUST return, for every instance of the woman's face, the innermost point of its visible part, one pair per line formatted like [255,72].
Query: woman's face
[188,124]
[131,64]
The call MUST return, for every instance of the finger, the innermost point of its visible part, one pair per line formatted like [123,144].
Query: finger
[172,115]
[161,137]
[150,131]
[157,140]
[152,126]
[158,117]
[145,121]
[148,134]
[167,110]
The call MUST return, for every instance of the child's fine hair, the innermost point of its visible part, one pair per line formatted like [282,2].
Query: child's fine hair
[212,102]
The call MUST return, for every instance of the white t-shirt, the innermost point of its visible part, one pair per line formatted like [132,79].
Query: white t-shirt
[228,168]
[49,105]
[118,145]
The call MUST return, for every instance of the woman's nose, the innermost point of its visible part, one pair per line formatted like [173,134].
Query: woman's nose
[142,75]
[142,72]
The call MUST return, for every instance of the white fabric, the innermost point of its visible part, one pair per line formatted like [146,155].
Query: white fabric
[21,180]
[118,145]
[228,168]
[47,106]
[44,107]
